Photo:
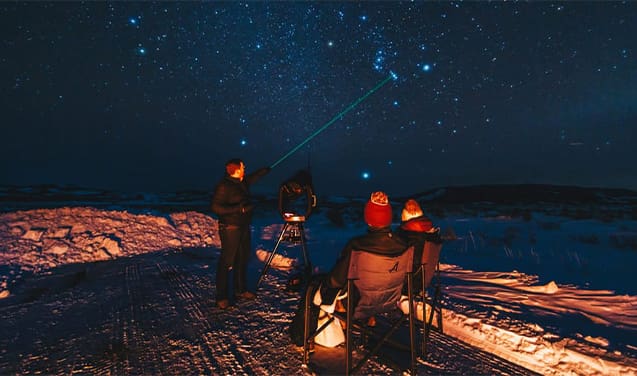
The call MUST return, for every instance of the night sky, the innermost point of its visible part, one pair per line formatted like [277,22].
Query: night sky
[157,96]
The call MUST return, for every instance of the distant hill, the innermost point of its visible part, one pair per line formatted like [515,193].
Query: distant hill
[478,196]
[526,194]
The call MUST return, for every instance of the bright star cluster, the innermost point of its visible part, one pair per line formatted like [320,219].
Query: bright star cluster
[478,93]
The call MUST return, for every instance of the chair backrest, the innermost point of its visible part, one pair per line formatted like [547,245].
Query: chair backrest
[430,257]
[379,280]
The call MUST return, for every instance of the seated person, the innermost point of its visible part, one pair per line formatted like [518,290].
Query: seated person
[379,239]
[416,228]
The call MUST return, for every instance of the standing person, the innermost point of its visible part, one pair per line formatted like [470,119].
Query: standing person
[416,228]
[231,203]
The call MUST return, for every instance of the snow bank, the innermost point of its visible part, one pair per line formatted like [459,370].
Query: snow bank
[510,296]
[35,240]
[500,312]
[537,353]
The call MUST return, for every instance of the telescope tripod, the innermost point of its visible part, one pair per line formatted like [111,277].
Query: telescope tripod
[292,232]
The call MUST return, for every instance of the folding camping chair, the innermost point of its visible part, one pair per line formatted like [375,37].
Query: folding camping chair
[374,288]
[428,276]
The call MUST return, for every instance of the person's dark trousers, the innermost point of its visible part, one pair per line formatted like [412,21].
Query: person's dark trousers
[235,253]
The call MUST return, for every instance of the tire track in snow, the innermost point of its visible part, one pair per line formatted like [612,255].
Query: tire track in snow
[118,344]
[202,355]
[145,341]
[486,362]
[220,342]
[156,315]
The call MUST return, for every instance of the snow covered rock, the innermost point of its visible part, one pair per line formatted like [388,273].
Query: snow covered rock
[42,238]
[55,247]
[34,233]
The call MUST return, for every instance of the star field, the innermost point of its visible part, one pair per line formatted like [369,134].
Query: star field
[138,95]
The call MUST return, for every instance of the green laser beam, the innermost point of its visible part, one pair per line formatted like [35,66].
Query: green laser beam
[349,108]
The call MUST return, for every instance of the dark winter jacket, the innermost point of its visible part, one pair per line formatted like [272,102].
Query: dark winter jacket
[380,241]
[417,225]
[231,198]
[416,232]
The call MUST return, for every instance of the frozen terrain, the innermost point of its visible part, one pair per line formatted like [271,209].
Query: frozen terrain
[98,283]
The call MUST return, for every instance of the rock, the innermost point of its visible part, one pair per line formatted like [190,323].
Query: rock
[56,247]
[35,234]
[111,246]
[61,232]
[102,254]
[174,242]
[17,231]
[183,227]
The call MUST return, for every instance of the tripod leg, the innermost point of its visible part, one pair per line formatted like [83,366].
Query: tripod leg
[306,257]
[271,257]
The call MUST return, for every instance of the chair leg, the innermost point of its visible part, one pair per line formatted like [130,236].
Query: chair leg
[348,337]
[423,344]
[306,326]
[439,297]
[412,339]
[436,309]
[380,343]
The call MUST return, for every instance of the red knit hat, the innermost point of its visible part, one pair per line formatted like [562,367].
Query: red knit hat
[412,210]
[378,211]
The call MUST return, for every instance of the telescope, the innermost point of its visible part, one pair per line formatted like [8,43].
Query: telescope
[296,197]
[296,201]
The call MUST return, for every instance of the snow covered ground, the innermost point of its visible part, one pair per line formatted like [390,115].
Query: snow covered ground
[547,290]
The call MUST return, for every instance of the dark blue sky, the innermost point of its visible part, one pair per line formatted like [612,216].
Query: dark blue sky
[157,96]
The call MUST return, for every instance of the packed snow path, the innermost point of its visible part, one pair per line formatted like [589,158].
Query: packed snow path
[155,314]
